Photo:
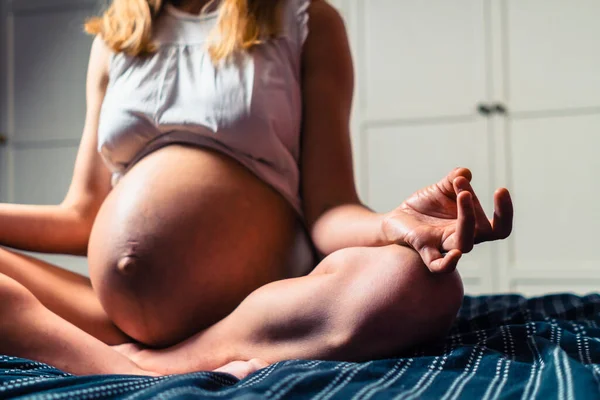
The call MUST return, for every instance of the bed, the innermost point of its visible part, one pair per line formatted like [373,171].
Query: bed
[500,347]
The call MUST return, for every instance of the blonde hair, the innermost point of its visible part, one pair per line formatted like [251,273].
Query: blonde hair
[127,26]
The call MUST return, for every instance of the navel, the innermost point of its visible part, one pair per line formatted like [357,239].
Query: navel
[127,265]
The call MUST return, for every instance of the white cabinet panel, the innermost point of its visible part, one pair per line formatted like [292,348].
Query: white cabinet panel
[50,63]
[42,176]
[420,58]
[554,173]
[553,54]
[402,159]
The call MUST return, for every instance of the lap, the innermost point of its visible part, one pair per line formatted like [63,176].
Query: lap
[357,304]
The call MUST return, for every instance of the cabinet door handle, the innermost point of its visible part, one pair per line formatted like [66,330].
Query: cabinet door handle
[500,108]
[488,109]
[485,109]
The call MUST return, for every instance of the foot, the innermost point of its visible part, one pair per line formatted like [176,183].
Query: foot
[241,369]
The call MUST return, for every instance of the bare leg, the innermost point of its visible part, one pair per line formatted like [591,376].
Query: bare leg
[65,293]
[30,330]
[358,304]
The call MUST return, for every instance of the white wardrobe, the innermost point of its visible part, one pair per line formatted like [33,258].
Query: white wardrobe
[508,88]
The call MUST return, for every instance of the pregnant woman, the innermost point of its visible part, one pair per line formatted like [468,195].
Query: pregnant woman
[213,195]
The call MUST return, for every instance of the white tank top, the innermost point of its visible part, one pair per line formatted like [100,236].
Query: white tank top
[249,109]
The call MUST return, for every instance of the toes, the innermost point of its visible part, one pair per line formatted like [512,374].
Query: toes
[241,369]
[258,363]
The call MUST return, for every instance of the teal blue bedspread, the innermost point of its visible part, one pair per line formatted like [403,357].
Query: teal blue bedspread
[500,347]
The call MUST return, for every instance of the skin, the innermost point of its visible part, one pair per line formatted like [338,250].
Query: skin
[173,296]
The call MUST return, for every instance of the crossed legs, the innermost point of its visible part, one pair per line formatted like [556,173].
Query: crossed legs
[358,304]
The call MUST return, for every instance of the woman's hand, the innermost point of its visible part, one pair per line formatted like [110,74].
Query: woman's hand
[447,217]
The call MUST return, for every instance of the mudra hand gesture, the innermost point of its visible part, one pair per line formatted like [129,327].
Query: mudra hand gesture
[445,220]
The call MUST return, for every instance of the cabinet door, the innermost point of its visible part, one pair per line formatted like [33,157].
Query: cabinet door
[419,59]
[554,168]
[46,68]
[401,159]
[552,54]
[553,90]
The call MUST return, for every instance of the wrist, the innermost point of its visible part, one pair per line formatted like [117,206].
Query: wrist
[391,231]
[386,226]
[377,224]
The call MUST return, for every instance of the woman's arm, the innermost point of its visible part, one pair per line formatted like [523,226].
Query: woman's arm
[436,219]
[333,211]
[65,228]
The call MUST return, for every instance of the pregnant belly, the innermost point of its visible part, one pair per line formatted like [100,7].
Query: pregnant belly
[183,238]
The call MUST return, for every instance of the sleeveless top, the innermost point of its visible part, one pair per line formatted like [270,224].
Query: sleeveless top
[249,108]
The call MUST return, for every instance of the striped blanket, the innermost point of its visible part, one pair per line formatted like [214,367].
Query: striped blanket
[500,347]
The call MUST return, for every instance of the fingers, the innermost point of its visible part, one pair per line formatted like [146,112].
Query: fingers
[481,220]
[461,172]
[500,227]
[502,222]
[465,224]
[443,264]
[448,182]
[438,263]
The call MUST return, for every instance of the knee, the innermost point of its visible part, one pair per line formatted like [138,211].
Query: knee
[441,305]
[434,299]
[13,295]
[403,303]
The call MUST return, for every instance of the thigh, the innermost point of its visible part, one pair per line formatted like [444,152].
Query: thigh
[67,294]
[371,290]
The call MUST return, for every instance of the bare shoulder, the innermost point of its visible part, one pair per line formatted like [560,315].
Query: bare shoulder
[324,18]
[327,50]
[98,68]
[327,38]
